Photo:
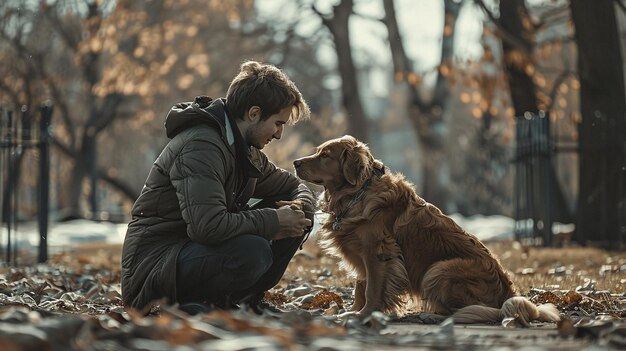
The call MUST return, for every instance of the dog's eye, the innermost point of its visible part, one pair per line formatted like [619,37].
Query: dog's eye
[323,155]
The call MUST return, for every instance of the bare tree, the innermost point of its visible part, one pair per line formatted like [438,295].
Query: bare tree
[109,67]
[517,34]
[602,132]
[427,116]
[338,25]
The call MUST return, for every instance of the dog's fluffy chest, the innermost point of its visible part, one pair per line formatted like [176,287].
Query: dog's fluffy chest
[345,244]
[346,238]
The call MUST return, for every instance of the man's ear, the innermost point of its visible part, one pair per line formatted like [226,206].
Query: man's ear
[254,114]
[356,165]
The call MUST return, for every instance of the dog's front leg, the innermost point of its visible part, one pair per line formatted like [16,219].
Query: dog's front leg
[374,286]
[359,295]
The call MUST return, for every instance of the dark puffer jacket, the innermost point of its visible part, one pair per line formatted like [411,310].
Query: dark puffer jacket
[197,190]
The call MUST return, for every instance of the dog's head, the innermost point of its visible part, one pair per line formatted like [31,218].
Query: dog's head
[337,163]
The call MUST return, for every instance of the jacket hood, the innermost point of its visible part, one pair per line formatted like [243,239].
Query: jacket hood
[203,110]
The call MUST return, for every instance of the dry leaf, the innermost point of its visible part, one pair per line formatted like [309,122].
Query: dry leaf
[323,300]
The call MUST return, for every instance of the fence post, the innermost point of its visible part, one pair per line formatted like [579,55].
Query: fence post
[44,179]
[7,198]
[3,162]
[545,161]
[533,182]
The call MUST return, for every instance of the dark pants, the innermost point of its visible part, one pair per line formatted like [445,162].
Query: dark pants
[238,269]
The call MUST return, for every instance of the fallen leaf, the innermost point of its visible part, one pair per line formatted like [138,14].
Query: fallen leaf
[323,300]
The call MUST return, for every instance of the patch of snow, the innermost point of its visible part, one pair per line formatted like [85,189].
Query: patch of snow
[486,228]
[483,227]
[64,234]
[80,231]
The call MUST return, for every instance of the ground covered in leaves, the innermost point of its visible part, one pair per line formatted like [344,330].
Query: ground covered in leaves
[74,303]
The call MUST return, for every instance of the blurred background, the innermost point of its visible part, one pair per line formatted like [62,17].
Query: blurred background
[513,108]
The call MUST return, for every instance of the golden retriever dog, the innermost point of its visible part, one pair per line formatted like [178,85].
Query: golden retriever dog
[396,244]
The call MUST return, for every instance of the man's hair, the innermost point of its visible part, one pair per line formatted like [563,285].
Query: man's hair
[268,87]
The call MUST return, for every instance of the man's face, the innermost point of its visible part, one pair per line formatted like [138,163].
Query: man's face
[261,133]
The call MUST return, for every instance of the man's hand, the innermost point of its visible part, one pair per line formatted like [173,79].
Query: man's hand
[291,220]
[294,204]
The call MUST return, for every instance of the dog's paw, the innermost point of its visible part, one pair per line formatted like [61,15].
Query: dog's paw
[348,314]
[354,315]
[375,320]
[349,318]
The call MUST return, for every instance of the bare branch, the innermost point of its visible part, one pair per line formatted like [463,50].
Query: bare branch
[108,111]
[10,92]
[130,193]
[501,31]
[119,185]
[36,69]
[621,5]
[324,18]
[401,61]
[368,17]
[553,16]
[555,87]
[488,12]
[70,41]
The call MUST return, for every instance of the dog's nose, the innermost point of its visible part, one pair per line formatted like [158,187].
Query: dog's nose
[297,163]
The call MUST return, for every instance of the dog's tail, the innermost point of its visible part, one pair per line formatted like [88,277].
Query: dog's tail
[517,307]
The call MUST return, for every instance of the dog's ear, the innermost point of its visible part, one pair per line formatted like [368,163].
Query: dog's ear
[356,164]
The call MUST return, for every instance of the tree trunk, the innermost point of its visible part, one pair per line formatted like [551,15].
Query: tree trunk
[339,27]
[517,57]
[79,172]
[427,118]
[544,200]
[86,164]
[602,132]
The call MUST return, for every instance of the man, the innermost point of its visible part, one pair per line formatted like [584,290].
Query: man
[193,238]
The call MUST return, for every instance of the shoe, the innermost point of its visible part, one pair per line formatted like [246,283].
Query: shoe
[257,303]
[194,308]
[261,306]
[225,304]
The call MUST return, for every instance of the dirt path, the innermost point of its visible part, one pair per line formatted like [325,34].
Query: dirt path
[482,337]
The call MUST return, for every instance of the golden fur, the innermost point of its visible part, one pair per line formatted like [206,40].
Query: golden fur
[395,243]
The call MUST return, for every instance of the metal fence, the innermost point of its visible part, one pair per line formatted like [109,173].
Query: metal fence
[539,201]
[20,131]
